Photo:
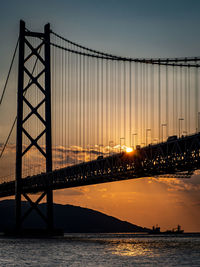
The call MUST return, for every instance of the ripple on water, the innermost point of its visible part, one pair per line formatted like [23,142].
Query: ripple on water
[101,250]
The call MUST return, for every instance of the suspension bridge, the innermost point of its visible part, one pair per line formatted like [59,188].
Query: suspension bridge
[87,117]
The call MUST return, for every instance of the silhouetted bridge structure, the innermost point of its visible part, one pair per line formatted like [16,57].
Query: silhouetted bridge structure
[181,156]
[87,117]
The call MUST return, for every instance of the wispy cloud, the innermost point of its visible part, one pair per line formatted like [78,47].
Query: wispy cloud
[178,184]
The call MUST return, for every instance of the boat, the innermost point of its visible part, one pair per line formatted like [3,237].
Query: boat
[177,230]
[156,230]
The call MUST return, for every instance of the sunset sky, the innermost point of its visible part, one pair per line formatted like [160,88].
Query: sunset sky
[128,28]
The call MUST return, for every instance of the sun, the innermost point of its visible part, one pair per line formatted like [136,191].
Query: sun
[129,149]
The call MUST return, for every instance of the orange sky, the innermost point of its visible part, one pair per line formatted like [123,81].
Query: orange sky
[145,202]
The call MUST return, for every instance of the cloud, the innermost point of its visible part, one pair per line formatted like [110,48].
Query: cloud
[35,161]
[180,203]
[69,192]
[177,184]
[102,189]
[196,204]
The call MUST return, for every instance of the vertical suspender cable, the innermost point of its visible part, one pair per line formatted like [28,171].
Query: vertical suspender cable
[111,103]
[173,99]
[125,102]
[84,121]
[62,108]
[87,106]
[181,93]
[68,104]
[66,107]
[144,104]
[176,100]
[114,104]
[92,102]
[159,102]
[130,103]
[141,103]
[107,141]
[136,104]
[102,104]
[147,103]
[196,99]
[97,99]
[186,100]
[80,104]
[84,108]
[167,103]
[75,100]
[120,101]
[152,102]
[189,92]
[56,113]
[91,117]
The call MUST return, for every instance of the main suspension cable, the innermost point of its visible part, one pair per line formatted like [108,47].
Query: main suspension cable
[167,62]
[10,132]
[11,64]
[142,60]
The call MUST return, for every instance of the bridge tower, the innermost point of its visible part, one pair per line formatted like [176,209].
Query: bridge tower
[45,88]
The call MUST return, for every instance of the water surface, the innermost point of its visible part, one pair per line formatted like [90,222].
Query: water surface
[102,250]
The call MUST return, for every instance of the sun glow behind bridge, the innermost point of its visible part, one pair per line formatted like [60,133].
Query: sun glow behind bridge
[129,149]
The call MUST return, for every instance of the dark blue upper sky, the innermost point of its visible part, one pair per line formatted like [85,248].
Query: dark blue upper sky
[137,28]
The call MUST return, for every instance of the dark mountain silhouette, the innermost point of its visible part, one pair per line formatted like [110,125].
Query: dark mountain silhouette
[67,217]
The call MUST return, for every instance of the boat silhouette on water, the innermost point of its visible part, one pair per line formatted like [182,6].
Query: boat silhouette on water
[177,230]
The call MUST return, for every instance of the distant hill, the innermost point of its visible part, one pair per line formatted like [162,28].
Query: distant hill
[70,218]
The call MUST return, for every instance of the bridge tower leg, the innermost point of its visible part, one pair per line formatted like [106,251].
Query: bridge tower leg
[45,88]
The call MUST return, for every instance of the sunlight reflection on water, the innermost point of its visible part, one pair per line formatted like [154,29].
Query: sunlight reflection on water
[160,250]
[101,250]
[127,249]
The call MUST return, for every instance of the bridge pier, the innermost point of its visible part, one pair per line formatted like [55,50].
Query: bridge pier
[50,219]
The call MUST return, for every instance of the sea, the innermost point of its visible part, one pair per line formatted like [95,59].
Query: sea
[102,250]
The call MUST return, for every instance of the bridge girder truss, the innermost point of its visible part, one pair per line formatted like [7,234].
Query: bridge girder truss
[179,158]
